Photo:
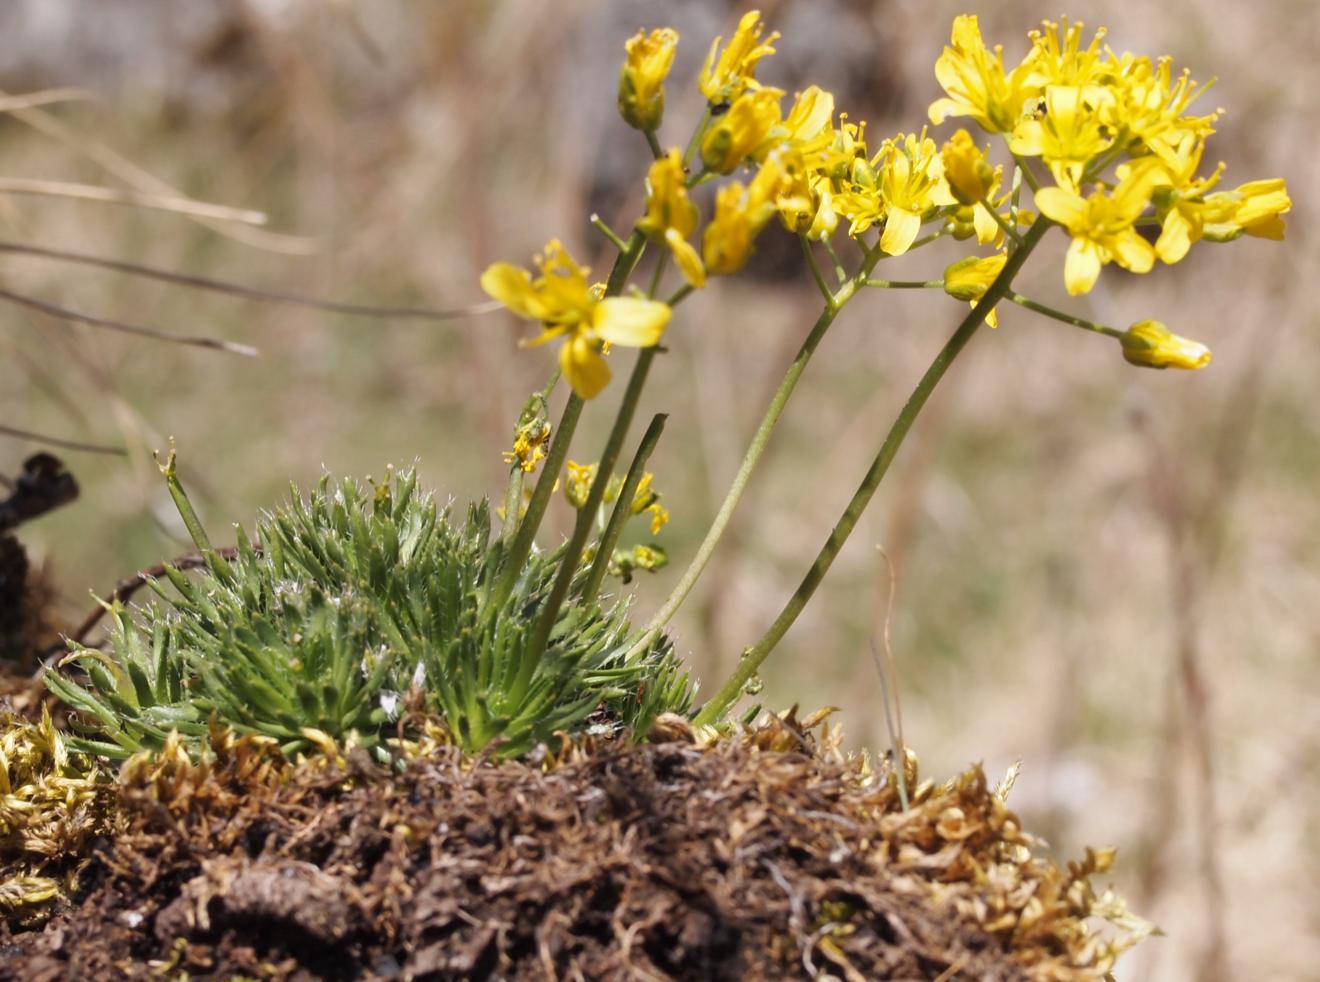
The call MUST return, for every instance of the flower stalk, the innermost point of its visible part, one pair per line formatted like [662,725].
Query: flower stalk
[753,657]
[622,510]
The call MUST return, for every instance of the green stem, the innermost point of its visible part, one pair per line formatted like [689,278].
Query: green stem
[536,407]
[626,263]
[654,143]
[697,134]
[563,436]
[679,295]
[753,456]
[658,273]
[1027,172]
[929,238]
[1015,198]
[1006,228]
[840,273]
[752,657]
[181,502]
[622,510]
[609,233]
[568,566]
[907,284]
[1060,315]
[512,502]
[531,522]
[821,285]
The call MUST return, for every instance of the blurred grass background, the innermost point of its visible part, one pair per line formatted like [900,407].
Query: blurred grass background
[1108,573]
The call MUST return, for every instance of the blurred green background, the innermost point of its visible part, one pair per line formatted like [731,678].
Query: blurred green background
[1107,573]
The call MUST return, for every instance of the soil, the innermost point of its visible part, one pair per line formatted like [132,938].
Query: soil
[760,857]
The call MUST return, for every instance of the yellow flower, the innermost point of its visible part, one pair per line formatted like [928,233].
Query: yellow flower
[744,131]
[727,76]
[561,299]
[740,215]
[911,182]
[969,278]
[671,216]
[977,84]
[1152,345]
[1255,208]
[1101,226]
[806,202]
[810,120]
[645,494]
[1179,201]
[529,442]
[1068,133]
[642,79]
[1058,58]
[968,173]
[577,483]
[1150,106]
[659,516]
[859,200]
[649,558]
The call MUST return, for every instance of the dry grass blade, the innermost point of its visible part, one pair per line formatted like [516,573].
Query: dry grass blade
[55,441]
[148,183]
[250,293]
[44,97]
[63,313]
[137,199]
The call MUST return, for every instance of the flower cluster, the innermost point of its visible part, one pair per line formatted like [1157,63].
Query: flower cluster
[1081,110]
[568,307]
[1110,144]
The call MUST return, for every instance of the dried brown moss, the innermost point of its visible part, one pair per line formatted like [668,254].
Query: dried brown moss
[51,804]
[768,855]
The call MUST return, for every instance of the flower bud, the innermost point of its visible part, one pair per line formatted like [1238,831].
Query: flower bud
[742,131]
[578,483]
[969,278]
[641,82]
[969,175]
[1152,345]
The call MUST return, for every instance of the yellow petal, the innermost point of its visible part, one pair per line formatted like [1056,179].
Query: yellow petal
[1028,138]
[1062,206]
[689,263]
[942,109]
[1132,252]
[583,367]
[1175,237]
[901,228]
[987,229]
[630,321]
[1081,268]
[512,286]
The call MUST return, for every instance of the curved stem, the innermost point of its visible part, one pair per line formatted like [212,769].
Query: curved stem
[753,456]
[752,657]
[679,295]
[608,232]
[568,566]
[907,284]
[697,134]
[816,274]
[1004,227]
[531,522]
[1060,315]
[1032,181]
[622,509]
[563,436]
[654,143]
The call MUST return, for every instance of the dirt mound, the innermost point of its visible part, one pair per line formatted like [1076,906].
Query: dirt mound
[757,857]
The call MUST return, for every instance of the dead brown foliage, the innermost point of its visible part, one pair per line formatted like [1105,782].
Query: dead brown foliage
[765,856]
